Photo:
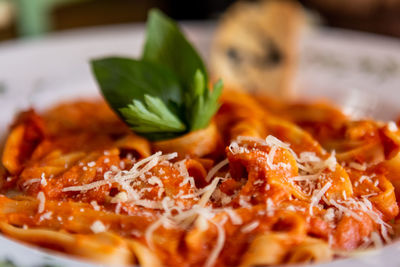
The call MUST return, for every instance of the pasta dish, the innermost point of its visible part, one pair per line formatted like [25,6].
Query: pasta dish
[165,171]
[263,184]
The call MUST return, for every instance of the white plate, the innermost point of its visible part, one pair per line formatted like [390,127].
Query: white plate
[359,72]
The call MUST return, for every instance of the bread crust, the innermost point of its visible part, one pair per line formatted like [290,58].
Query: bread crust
[255,47]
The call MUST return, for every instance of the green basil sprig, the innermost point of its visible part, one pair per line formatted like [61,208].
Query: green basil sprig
[164,94]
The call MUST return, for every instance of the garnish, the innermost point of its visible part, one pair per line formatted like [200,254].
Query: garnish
[164,94]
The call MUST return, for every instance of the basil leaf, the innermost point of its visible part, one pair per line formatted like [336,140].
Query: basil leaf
[204,106]
[122,79]
[165,44]
[152,116]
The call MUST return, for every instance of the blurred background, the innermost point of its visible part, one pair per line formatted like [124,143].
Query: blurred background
[30,18]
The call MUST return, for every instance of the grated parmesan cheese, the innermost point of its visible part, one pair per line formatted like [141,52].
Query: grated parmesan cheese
[218,195]
[358,166]
[317,195]
[155,181]
[270,207]
[364,177]
[218,246]
[46,216]
[125,176]
[43,180]
[160,192]
[243,202]
[97,227]
[250,227]
[202,223]
[331,162]
[376,240]
[258,182]
[308,157]
[95,205]
[234,217]
[215,169]
[329,215]
[31,181]
[208,191]
[91,164]
[120,197]
[345,210]
[42,200]
[392,126]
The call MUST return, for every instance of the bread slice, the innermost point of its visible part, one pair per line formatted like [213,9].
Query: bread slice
[255,46]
